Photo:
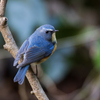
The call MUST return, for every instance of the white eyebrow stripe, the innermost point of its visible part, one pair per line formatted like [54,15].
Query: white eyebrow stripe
[49,29]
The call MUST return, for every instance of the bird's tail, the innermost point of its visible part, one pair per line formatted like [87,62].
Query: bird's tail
[21,74]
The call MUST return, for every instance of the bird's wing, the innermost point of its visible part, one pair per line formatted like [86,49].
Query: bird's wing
[34,54]
[21,51]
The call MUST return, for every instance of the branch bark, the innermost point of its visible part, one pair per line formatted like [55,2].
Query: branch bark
[11,46]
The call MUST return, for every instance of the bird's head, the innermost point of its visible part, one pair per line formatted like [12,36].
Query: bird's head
[48,32]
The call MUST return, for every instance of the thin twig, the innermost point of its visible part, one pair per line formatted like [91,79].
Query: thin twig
[11,46]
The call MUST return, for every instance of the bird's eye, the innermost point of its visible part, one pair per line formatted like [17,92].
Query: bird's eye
[47,32]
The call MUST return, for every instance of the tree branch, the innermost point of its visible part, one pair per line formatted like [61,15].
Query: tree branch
[2,7]
[11,46]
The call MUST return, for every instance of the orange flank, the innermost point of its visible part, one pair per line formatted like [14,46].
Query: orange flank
[44,59]
[55,46]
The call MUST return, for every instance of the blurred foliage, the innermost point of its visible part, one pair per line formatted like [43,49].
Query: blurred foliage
[96,56]
[67,30]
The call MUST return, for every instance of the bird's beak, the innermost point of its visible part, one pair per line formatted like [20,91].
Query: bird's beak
[56,30]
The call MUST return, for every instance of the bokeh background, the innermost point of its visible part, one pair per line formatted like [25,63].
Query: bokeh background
[73,71]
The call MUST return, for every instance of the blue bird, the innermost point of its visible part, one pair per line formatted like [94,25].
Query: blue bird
[36,49]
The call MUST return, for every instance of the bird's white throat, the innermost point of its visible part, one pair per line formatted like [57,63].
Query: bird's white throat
[54,37]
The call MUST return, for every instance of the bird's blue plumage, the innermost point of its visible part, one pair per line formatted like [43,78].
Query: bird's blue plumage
[37,47]
[21,74]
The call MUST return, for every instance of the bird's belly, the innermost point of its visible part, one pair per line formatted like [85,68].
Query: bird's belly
[44,59]
[41,61]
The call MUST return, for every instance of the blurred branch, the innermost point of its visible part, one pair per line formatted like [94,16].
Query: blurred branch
[91,91]
[22,92]
[13,49]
